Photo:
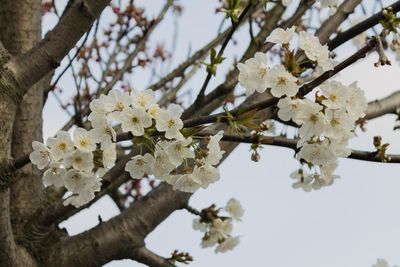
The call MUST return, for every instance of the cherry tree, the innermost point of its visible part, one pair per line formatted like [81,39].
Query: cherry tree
[150,149]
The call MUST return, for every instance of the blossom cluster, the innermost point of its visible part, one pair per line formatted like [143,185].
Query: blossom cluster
[256,76]
[75,163]
[217,229]
[159,131]
[326,123]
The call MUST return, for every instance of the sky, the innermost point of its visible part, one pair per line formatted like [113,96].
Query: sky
[349,224]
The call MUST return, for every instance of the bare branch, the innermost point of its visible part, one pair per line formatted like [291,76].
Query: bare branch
[383,106]
[332,24]
[47,54]
[364,25]
[119,237]
[145,256]
[292,144]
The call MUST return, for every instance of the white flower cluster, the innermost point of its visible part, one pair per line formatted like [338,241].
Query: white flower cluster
[326,123]
[217,230]
[256,75]
[80,163]
[139,113]
[71,163]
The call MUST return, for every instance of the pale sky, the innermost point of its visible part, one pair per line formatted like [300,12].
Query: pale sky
[349,224]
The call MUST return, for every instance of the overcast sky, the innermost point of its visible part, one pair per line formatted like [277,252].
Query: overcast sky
[349,224]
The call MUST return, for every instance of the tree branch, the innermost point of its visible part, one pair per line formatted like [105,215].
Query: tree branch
[383,106]
[332,24]
[119,237]
[292,144]
[364,25]
[269,102]
[47,54]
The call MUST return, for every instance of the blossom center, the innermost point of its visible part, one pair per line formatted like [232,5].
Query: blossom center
[282,81]
[262,71]
[314,118]
[62,146]
[135,120]
[171,123]
[83,142]
[120,106]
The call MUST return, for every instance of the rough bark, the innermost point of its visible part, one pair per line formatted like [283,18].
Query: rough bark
[20,30]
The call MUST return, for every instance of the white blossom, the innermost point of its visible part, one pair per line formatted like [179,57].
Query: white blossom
[338,124]
[314,50]
[82,185]
[317,153]
[145,99]
[98,109]
[116,102]
[214,150]
[198,225]
[140,165]
[282,82]
[109,156]
[60,145]
[336,94]
[163,165]
[356,104]
[228,244]
[281,36]
[310,45]
[40,156]
[79,160]
[311,118]
[209,241]
[221,228]
[169,121]
[54,175]
[186,183]
[252,74]
[84,140]
[153,111]
[289,108]
[103,133]
[135,120]
[179,150]
[339,146]
[205,175]
[303,180]
[327,171]
[235,209]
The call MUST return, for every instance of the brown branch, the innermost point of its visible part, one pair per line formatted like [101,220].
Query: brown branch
[140,45]
[48,53]
[292,144]
[231,80]
[202,52]
[331,25]
[200,97]
[119,237]
[383,106]
[145,256]
[364,25]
